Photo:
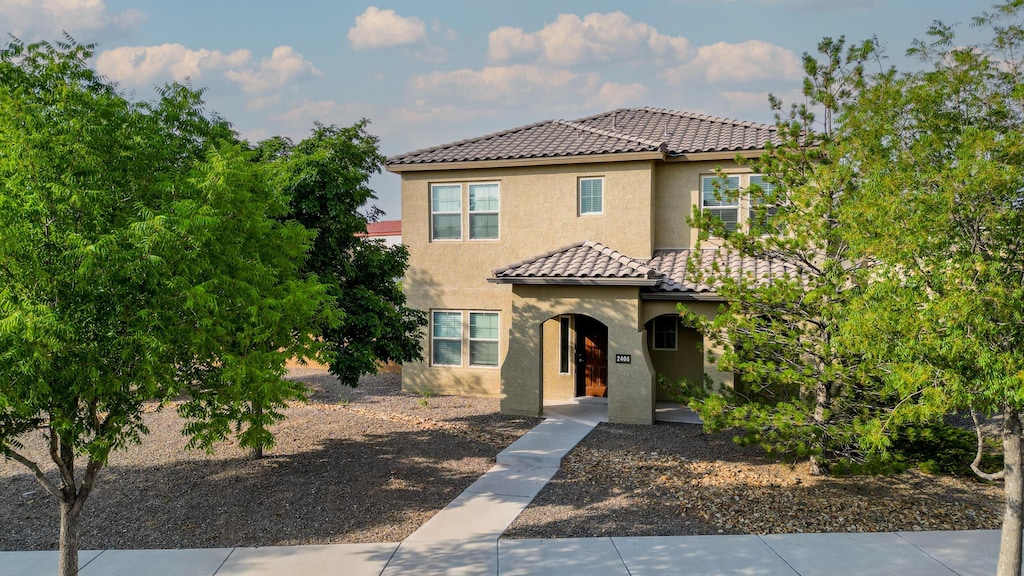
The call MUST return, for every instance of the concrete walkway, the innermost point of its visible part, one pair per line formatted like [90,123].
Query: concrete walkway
[965,553]
[463,538]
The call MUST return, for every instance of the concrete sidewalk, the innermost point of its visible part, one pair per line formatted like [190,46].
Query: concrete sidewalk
[966,553]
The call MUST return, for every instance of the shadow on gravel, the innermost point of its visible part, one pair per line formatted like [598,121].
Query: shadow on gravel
[378,488]
[674,479]
[364,464]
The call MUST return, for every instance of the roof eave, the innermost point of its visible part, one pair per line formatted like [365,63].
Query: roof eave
[533,161]
[683,296]
[557,281]
[716,155]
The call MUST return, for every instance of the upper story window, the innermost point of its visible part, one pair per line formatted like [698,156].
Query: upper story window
[447,215]
[759,222]
[446,212]
[718,196]
[722,198]
[591,196]
[483,211]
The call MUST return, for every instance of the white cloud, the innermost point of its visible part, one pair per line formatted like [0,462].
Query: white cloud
[524,85]
[753,60]
[376,28]
[36,19]
[507,85]
[141,64]
[614,95]
[571,40]
[284,66]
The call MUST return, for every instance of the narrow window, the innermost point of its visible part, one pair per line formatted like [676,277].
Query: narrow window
[719,197]
[483,338]
[591,195]
[564,349]
[446,345]
[760,223]
[446,212]
[483,211]
[665,332]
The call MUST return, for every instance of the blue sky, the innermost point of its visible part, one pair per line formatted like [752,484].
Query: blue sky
[430,72]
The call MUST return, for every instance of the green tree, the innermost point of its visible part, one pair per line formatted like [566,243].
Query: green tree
[941,207]
[801,394]
[141,260]
[326,179]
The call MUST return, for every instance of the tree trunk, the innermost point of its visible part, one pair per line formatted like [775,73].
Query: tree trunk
[1013,487]
[69,542]
[822,400]
[256,452]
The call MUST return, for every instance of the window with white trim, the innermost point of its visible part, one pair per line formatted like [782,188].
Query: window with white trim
[729,200]
[718,196]
[666,332]
[483,211]
[760,222]
[446,212]
[446,338]
[591,196]
[483,338]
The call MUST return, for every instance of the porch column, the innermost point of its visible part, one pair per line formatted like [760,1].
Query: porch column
[631,376]
[521,371]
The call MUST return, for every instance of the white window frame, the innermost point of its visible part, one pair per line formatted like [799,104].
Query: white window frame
[720,207]
[579,195]
[771,208]
[471,212]
[675,332]
[433,230]
[471,339]
[434,339]
[744,204]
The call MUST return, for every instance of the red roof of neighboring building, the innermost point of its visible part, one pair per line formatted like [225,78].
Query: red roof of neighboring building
[384,228]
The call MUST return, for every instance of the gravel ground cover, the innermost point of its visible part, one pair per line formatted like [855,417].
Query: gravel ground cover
[369,464]
[372,464]
[673,479]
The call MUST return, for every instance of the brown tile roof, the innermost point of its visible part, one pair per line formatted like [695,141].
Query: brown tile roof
[666,272]
[582,261]
[676,277]
[619,131]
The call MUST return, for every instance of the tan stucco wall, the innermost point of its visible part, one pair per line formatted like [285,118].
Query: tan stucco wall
[630,386]
[677,191]
[538,213]
[557,386]
[708,359]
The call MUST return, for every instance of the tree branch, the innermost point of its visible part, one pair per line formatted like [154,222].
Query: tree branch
[65,475]
[40,477]
[976,465]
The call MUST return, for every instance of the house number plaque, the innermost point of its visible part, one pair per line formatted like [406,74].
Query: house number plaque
[623,358]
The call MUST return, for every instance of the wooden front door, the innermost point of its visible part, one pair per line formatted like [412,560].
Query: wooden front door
[592,357]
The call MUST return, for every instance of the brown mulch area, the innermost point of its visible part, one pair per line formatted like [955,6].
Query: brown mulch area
[369,464]
[673,479]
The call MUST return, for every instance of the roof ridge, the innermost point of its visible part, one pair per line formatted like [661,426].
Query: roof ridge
[578,126]
[474,139]
[721,119]
[619,256]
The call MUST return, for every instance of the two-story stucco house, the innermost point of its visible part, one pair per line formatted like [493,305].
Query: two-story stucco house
[551,257]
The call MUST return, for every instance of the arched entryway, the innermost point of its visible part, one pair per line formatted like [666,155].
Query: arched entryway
[575,358]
